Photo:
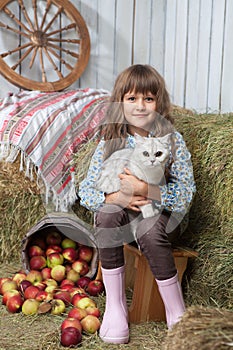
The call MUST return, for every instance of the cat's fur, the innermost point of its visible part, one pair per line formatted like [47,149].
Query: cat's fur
[146,161]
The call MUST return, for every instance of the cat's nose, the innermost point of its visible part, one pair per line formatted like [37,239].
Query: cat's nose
[152,161]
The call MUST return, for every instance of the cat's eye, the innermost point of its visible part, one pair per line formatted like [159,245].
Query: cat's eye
[158,154]
[146,154]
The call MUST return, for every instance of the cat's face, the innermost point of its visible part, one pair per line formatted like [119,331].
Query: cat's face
[152,151]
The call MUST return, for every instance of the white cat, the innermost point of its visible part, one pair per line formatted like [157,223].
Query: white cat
[146,161]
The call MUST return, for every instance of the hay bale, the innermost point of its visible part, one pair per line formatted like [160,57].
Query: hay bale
[210,232]
[202,328]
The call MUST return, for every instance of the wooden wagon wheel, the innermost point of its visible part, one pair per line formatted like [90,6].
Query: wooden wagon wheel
[45,39]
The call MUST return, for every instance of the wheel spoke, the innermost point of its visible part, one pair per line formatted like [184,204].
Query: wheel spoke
[67,65]
[71,41]
[53,63]
[35,13]
[44,79]
[70,26]
[21,3]
[71,53]
[45,13]
[53,19]
[22,58]
[11,15]
[19,32]
[33,56]
[10,52]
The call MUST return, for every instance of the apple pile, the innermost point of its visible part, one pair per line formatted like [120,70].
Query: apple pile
[56,283]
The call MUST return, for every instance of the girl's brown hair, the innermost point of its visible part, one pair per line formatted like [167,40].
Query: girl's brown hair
[138,79]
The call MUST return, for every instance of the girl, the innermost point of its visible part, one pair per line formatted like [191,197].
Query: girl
[140,104]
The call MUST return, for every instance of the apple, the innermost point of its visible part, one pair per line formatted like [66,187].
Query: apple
[31,292]
[46,273]
[35,250]
[37,262]
[69,254]
[90,324]
[78,290]
[53,249]
[30,306]
[34,276]
[51,289]
[8,285]
[73,275]
[50,282]
[67,288]
[58,273]
[14,303]
[63,295]
[40,285]
[53,237]
[2,280]
[95,287]
[78,313]
[54,259]
[58,307]
[80,266]
[85,253]
[85,302]
[8,294]
[70,337]
[68,243]
[76,298]
[71,322]
[83,282]
[93,311]
[24,284]
[42,295]
[66,281]
[18,277]
[68,267]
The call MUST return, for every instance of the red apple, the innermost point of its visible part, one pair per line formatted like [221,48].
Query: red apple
[46,273]
[78,313]
[34,276]
[70,337]
[53,237]
[69,254]
[54,259]
[42,295]
[14,303]
[71,322]
[63,295]
[2,280]
[24,284]
[31,292]
[30,306]
[8,285]
[58,307]
[39,241]
[90,324]
[40,285]
[95,287]
[18,277]
[93,311]
[81,267]
[76,297]
[68,243]
[35,250]
[72,275]
[53,249]
[67,288]
[83,282]
[66,281]
[85,302]
[37,262]
[85,253]
[78,290]
[58,273]
[8,294]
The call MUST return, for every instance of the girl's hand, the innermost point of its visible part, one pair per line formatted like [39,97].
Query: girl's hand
[130,184]
[125,200]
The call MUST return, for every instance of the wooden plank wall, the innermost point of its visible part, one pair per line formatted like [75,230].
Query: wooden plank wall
[188,41]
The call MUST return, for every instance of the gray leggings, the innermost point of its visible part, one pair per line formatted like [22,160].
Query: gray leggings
[112,225]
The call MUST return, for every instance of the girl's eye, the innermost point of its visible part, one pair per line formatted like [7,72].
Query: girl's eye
[158,154]
[146,154]
[149,99]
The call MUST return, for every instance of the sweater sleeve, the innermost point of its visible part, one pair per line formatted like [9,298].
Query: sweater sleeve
[90,197]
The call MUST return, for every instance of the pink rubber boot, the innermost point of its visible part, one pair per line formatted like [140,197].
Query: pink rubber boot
[171,293]
[114,327]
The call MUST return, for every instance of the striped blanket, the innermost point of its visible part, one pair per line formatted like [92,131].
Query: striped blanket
[46,129]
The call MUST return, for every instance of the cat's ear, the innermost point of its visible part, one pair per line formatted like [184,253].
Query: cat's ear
[139,138]
[165,139]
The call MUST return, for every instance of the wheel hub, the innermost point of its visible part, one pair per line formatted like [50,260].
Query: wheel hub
[39,38]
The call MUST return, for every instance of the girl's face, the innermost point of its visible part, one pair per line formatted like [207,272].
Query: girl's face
[139,111]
